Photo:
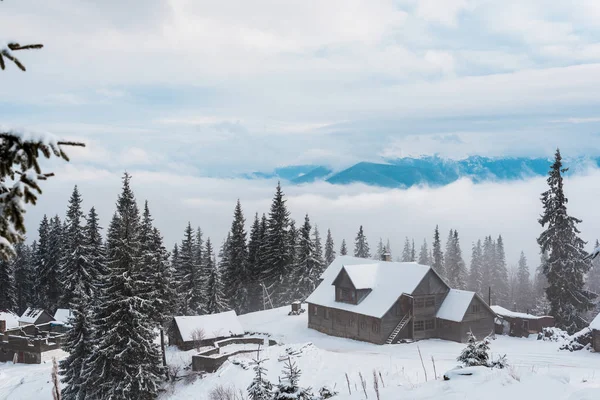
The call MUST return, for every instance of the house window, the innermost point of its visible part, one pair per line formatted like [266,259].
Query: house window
[424,325]
[315,310]
[346,295]
[475,308]
[425,302]
[430,301]
[419,326]
[375,327]
[429,325]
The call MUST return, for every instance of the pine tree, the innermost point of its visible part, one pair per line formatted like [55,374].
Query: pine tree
[277,250]
[288,387]
[566,268]
[293,244]
[307,271]
[407,251]
[475,283]
[260,388]
[454,264]
[125,363]
[413,252]
[95,255]
[216,301]
[593,278]
[424,254]
[499,275]
[78,343]
[487,263]
[235,276]
[190,280]
[361,246]
[254,266]
[8,299]
[318,250]
[329,249]
[437,254]
[53,289]
[41,262]
[380,250]
[24,277]
[523,298]
[476,353]
[74,263]
[343,248]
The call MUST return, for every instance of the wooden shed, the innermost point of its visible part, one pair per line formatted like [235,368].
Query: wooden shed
[521,324]
[35,316]
[188,332]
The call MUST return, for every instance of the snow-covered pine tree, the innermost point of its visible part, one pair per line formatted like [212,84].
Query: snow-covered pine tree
[476,353]
[523,289]
[24,278]
[289,388]
[223,260]
[593,278]
[318,250]
[541,306]
[40,264]
[125,363]
[254,267]
[216,301]
[235,276]
[74,264]
[406,251]
[191,285]
[329,249]
[199,252]
[424,254]
[475,283]
[260,388]
[178,275]
[380,250]
[487,264]
[437,254]
[307,270]
[79,344]
[566,267]
[499,275]
[293,243]
[50,275]
[343,248]
[165,286]
[8,300]
[454,263]
[277,249]
[95,255]
[413,251]
[361,246]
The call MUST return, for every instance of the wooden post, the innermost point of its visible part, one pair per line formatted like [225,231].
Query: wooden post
[164,355]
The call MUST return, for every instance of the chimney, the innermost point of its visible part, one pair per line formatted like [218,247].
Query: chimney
[386,256]
[2,326]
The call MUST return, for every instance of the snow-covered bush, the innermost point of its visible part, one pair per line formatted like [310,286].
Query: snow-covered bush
[288,387]
[326,393]
[500,363]
[476,353]
[553,334]
[578,341]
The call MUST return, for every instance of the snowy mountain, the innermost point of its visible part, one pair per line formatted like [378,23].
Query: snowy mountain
[427,170]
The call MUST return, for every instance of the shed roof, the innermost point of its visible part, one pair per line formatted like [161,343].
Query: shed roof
[455,305]
[225,324]
[31,315]
[388,281]
[503,312]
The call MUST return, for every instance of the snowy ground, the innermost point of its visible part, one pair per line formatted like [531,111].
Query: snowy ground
[537,370]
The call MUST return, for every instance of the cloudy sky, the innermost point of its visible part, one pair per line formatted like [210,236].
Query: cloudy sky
[185,92]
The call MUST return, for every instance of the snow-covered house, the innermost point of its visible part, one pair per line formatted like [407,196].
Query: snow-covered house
[203,330]
[63,315]
[35,316]
[386,302]
[595,327]
[520,324]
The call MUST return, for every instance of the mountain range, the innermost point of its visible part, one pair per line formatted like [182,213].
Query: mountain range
[426,170]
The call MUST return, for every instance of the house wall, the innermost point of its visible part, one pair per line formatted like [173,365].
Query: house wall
[596,340]
[481,323]
[345,324]
[430,286]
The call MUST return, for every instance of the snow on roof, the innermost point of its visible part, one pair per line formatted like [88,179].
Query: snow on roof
[12,319]
[213,326]
[363,276]
[455,305]
[503,312]
[63,315]
[596,323]
[31,315]
[389,281]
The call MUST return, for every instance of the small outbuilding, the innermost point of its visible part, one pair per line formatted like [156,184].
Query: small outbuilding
[520,324]
[63,315]
[595,327]
[35,316]
[188,332]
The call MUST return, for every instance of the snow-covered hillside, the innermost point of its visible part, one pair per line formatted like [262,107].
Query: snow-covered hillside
[537,370]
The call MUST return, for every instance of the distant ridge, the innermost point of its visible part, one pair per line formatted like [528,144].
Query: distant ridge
[427,170]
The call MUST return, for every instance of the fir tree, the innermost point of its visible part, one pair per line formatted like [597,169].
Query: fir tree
[293,243]
[361,246]
[343,248]
[254,266]
[437,254]
[475,283]
[523,292]
[24,277]
[125,363]
[8,299]
[329,249]
[95,255]
[307,271]
[50,274]
[260,388]
[476,353]
[277,249]
[74,262]
[593,278]
[235,276]
[488,260]
[424,254]
[499,275]
[318,250]
[566,267]
[190,280]
[407,251]
[41,263]
[215,298]
[454,264]
[413,252]
[288,387]
[380,250]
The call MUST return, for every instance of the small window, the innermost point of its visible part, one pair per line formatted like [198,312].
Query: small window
[424,325]
[419,326]
[429,325]
[375,326]
[475,308]
[315,310]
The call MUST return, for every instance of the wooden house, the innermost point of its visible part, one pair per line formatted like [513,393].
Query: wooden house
[385,302]
[35,316]
[190,332]
[595,327]
[520,324]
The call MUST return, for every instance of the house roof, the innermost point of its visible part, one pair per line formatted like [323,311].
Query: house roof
[503,312]
[455,305]
[596,323]
[213,326]
[12,319]
[388,281]
[63,315]
[31,315]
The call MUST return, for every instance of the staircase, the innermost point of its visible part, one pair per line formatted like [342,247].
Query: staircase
[398,328]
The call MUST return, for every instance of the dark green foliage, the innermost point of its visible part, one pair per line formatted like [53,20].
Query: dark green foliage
[8,299]
[361,246]
[235,274]
[23,264]
[475,283]
[438,255]
[343,248]
[329,249]
[190,276]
